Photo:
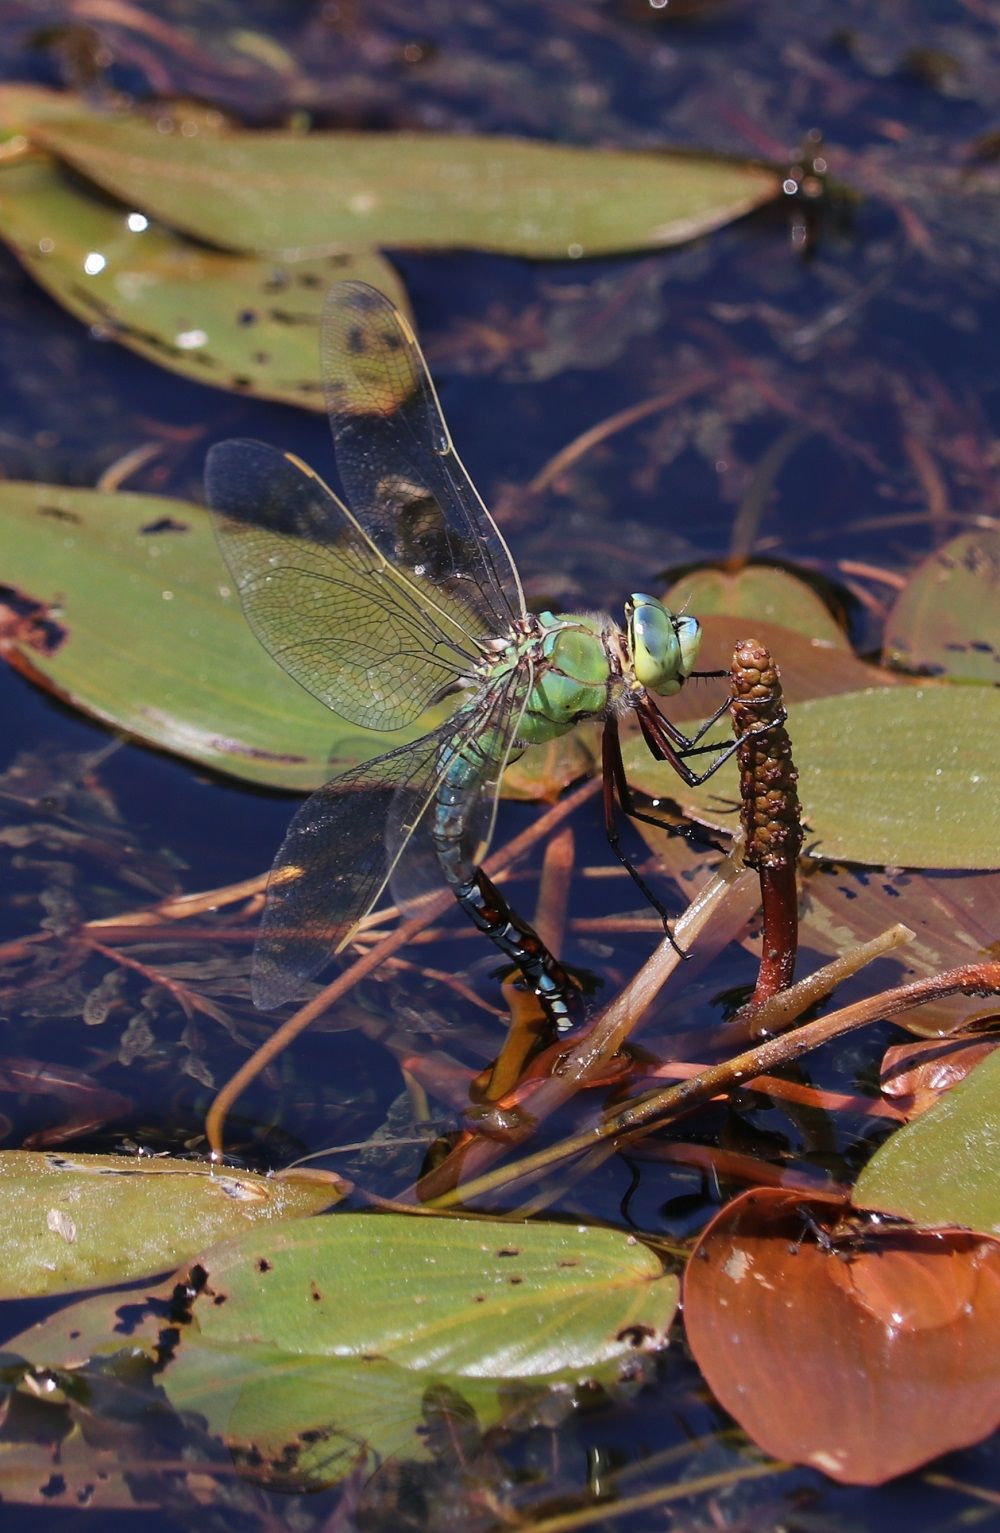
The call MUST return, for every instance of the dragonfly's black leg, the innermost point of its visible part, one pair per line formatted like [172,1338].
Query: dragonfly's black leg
[616,786]
[486,907]
[667,743]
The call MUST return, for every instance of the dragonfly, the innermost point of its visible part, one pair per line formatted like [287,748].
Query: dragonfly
[394,602]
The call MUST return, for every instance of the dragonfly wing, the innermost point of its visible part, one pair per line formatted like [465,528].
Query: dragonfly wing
[335,862]
[487,727]
[399,469]
[376,645]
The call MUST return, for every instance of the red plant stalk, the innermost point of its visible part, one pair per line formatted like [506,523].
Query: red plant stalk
[770,810]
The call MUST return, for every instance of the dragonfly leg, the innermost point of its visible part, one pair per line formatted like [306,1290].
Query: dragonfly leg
[667,743]
[489,911]
[686,743]
[616,788]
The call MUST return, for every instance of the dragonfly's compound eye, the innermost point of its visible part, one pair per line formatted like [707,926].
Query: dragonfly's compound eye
[663,647]
[688,631]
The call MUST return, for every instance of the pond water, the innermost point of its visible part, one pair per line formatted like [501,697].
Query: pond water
[828,375]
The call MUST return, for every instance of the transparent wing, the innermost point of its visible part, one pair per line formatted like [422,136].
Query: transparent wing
[404,481]
[376,645]
[332,866]
[490,731]
[346,841]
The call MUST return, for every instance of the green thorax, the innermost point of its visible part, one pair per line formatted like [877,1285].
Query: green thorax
[575,676]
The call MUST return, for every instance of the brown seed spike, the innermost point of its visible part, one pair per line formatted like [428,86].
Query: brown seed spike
[770,808]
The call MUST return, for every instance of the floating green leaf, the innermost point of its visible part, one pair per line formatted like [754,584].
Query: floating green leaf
[88,1221]
[122,605]
[760,593]
[311,193]
[240,322]
[941,1169]
[908,776]
[947,619]
[312,1343]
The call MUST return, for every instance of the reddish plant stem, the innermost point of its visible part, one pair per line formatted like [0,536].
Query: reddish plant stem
[769,810]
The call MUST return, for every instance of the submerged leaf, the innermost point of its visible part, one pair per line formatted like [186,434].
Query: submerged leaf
[916,1075]
[315,192]
[860,1351]
[810,667]
[941,1169]
[902,776]
[240,322]
[311,1345]
[121,604]
[954,918]
[88,1221]
[946,621]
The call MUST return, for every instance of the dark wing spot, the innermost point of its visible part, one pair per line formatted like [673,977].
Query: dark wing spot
[263,1265]
[356,342]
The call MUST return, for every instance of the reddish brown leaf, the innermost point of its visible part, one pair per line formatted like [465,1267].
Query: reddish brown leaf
[915,1074]
[860,1349]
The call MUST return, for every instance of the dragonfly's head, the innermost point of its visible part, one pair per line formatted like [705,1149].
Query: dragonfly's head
[662,647]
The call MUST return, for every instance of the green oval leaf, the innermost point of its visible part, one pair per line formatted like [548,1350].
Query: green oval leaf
[941,1169]
[758,592]
[240,322]
[946,621]
[908,776]
[462,1297]
[121,604]
[319,1342]
[316,192]
[88,1221]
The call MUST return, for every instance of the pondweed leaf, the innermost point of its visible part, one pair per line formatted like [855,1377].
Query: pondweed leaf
[861,1351]
[946,620]
[236,321]
[312,193]
[70,1221]
[907,776]
[314,1344]
[941,1169]
[121,604]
